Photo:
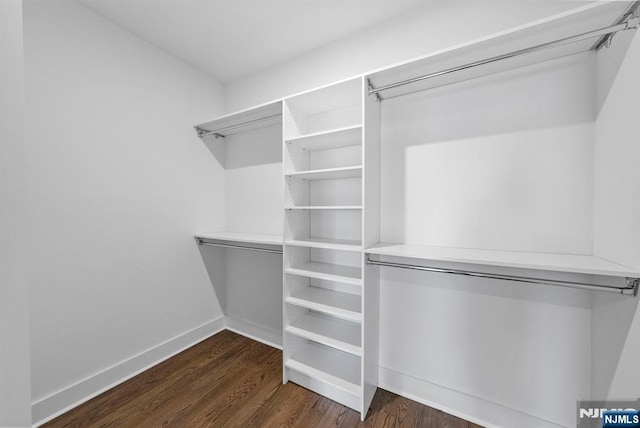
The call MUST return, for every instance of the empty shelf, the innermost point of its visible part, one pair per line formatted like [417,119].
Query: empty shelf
[328,244]
[330,331]
[342,137]
[328,365]
[342,305]
[263,115]
[328,272]
[248,238]
[328,174]
[325,207]
[571,263]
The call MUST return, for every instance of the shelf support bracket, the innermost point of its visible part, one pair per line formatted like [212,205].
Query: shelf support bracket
[634,283]
[371,88]
[203,133]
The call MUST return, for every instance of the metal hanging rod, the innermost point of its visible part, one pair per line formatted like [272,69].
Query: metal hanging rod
[630,24]
[242,247]
[218,132]
[631,289]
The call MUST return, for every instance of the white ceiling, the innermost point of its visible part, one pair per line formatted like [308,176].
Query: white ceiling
[230,39]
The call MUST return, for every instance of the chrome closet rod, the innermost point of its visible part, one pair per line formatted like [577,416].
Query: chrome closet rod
[242,247]
[217,132]
[630,24]
[631,289]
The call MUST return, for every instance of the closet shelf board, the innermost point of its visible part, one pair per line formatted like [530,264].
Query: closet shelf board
[325,207]
[328,174]
[569,263]
[341,137]
[342,335]
[335,303]
[334,367]
[247,238]
[328,272]
[328,244]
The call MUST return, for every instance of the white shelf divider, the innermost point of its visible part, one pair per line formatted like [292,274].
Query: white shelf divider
[328,173]
[324,207]
[335,303]
[334,367]
[328,272]
[329,331]
[327,244]
[334,138]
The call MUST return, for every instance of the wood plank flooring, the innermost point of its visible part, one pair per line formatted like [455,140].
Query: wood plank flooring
[231,381]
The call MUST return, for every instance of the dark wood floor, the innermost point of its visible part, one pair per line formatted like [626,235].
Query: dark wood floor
[228,381]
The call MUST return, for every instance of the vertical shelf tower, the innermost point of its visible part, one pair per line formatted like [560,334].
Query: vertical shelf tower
[331,215]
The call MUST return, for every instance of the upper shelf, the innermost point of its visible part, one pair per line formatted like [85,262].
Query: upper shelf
[438,64]
[331,139]
[328,174]
[245,120]
[247,238]
[569,263]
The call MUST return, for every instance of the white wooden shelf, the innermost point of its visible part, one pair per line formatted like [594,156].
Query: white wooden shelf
[569,263]
[342,335]
[327,244]
[269,114]
[335,303]
[324,207]
[328,272]
[247,238]
[339,369]
[334,138]
[329,173]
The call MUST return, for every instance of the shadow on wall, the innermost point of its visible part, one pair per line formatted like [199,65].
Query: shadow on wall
[492,147]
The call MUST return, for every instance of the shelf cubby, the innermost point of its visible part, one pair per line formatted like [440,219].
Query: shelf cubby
[328,244]
[327,330]
[326,370]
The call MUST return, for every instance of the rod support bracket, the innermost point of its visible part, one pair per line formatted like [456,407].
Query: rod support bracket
[370,88]
[203,133]
[634,283]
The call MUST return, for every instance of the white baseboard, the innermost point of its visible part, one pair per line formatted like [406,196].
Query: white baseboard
[469,407]
[457,403]
[59,402]
[255,332]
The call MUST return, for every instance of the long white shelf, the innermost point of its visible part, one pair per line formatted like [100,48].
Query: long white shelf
[334,138]
[329,173]
[335,303]
[256,117]
[324,207]
[248,238]
[342,335]
[334,367]
[328,272]
[328,244]
[570,263]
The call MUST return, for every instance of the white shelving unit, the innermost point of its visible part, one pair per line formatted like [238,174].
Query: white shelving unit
[324,307]
[336,209]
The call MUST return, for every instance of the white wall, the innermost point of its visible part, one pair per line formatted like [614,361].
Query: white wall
[117,184]
[434,26]
[15,391]
[616,320]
